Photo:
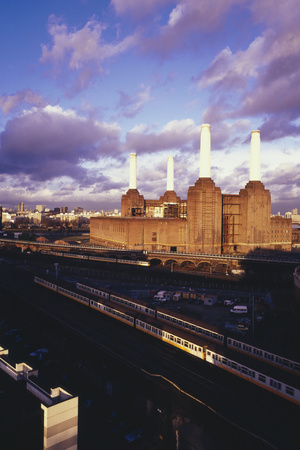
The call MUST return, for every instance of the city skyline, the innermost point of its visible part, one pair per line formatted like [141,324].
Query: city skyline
[83,85]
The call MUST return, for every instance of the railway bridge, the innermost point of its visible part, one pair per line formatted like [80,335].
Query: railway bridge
[173,260]
[197,262]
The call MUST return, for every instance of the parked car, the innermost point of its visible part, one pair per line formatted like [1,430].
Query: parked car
[228,302]
[244,321]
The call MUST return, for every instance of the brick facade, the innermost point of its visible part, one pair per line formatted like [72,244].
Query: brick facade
[207,222]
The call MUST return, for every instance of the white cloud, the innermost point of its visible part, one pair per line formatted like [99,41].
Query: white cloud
[83,50]
[10,103]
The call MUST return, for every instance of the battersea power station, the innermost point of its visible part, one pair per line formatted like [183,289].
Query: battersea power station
[206,222]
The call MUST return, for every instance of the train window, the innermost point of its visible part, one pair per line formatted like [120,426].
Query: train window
[171,337]
[234,365]
[275,384]
[178,340]
[297,366]
[278,360]
[224,361]
[289,390]
[186,344]
[244,370]
[208,352]
[285,362]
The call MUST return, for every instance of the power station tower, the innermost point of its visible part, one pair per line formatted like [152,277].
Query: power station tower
[255,204]
[132,203]
[204,205]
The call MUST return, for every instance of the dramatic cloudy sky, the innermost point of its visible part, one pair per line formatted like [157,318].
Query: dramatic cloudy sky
[83,83]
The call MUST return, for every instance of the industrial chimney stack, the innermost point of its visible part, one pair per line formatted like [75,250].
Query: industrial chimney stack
[132,203]
[170,174]
[132,174]
[255,156]
[205,152]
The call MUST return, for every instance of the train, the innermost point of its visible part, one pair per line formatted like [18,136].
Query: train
[181,338]
[97,258]
[197,327]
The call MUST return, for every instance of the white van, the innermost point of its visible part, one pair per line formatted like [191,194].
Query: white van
[239,309]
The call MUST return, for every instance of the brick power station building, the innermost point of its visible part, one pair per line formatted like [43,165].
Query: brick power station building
[206,222]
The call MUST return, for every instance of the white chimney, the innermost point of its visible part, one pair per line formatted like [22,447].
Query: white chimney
[132,176]
[255,156]
[170,174]
[205,152]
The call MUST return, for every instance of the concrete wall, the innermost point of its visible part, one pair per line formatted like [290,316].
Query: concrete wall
[61,425]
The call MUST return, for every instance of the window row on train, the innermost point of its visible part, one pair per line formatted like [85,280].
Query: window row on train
[73,294]
[263,354]
[246,371]
[124,301]
[190,326]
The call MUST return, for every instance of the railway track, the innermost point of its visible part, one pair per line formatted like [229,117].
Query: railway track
[140,353]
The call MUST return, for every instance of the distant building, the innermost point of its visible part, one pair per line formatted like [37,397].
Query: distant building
[206,222]
[64,209]
[281,232]
[20,207]
[78,210]
[40,208]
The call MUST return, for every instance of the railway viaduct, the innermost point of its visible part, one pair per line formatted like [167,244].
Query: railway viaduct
[187,261]
[195,262]
[180,261]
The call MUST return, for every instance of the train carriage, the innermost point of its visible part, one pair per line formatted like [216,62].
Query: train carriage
[118,314]
[137,305]
[264,355]
[99,292]
[173,337]
[73,295]
[45,283]
[181,332]
[191,324]
[261,377]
